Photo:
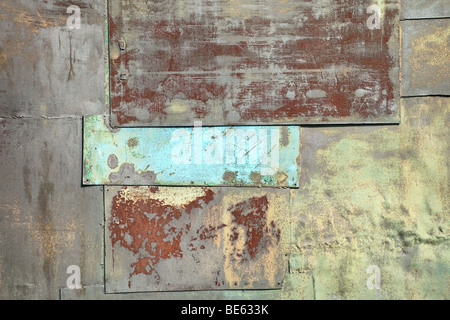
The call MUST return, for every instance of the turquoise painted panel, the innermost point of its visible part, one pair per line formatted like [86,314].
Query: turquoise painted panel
[195,156]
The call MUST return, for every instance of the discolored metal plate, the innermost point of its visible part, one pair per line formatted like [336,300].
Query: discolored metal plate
[425,59]
[46,68]
[425,9]
[229,62]
[222,156]
[176,239]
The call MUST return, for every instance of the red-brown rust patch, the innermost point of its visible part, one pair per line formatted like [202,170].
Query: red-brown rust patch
[218,281]
[252,215]
[139,225]
[153,230]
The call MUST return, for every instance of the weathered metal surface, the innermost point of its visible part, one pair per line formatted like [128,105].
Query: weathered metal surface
[298,286]
[47,222]
[47,69]
[171,239]
[425,57]
[252,62]
[263,156]
[376,196]
[425,9]
[98,293]
[369,196]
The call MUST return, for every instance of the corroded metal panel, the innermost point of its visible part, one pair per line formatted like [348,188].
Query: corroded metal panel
[172,239]
[253,62]
[425,59]
[221,156]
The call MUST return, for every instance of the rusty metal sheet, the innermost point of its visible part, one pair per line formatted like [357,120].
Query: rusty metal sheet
[202,156]
[172,239]
[425,60]
[425,9]
[253,62]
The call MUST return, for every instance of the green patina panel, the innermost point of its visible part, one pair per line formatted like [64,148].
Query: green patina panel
[376,196]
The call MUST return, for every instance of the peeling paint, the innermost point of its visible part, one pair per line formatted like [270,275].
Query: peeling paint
[150,156]
[250,63]
[200,240]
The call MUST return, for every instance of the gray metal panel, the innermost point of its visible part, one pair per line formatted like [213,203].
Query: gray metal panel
[47,221]
[46,69]
[175,239]
[425,58]
[425,9]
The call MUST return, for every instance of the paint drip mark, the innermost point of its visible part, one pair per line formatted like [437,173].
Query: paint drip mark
[71,60]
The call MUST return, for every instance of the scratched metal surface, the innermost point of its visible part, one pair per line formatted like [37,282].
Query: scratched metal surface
[171,239]
[154,156]
[46,69]
[229,62]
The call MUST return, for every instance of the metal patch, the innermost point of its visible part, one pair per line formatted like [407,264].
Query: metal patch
[222,156]
[425,9]
[425,61]
[176,239]
[46,68]
[253,62]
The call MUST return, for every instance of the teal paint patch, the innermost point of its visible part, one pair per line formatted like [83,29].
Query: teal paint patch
[197,156]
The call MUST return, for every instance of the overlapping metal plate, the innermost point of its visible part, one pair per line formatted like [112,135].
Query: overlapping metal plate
[197,156]
[174,239]
[425,9]
[425,64]
[229,62]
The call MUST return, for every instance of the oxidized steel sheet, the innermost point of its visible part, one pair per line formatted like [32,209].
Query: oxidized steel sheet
[229,62]
[222,156]
[173,239]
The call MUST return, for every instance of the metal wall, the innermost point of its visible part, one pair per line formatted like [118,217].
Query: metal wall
[368,195]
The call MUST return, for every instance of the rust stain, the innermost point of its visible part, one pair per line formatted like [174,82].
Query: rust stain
[284,136]
[237,69]
[144,221]
[230,176]
[34,21]
[157,225]
[133,142]
[252,215]
[16,48]
[256,177]
[428,55]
